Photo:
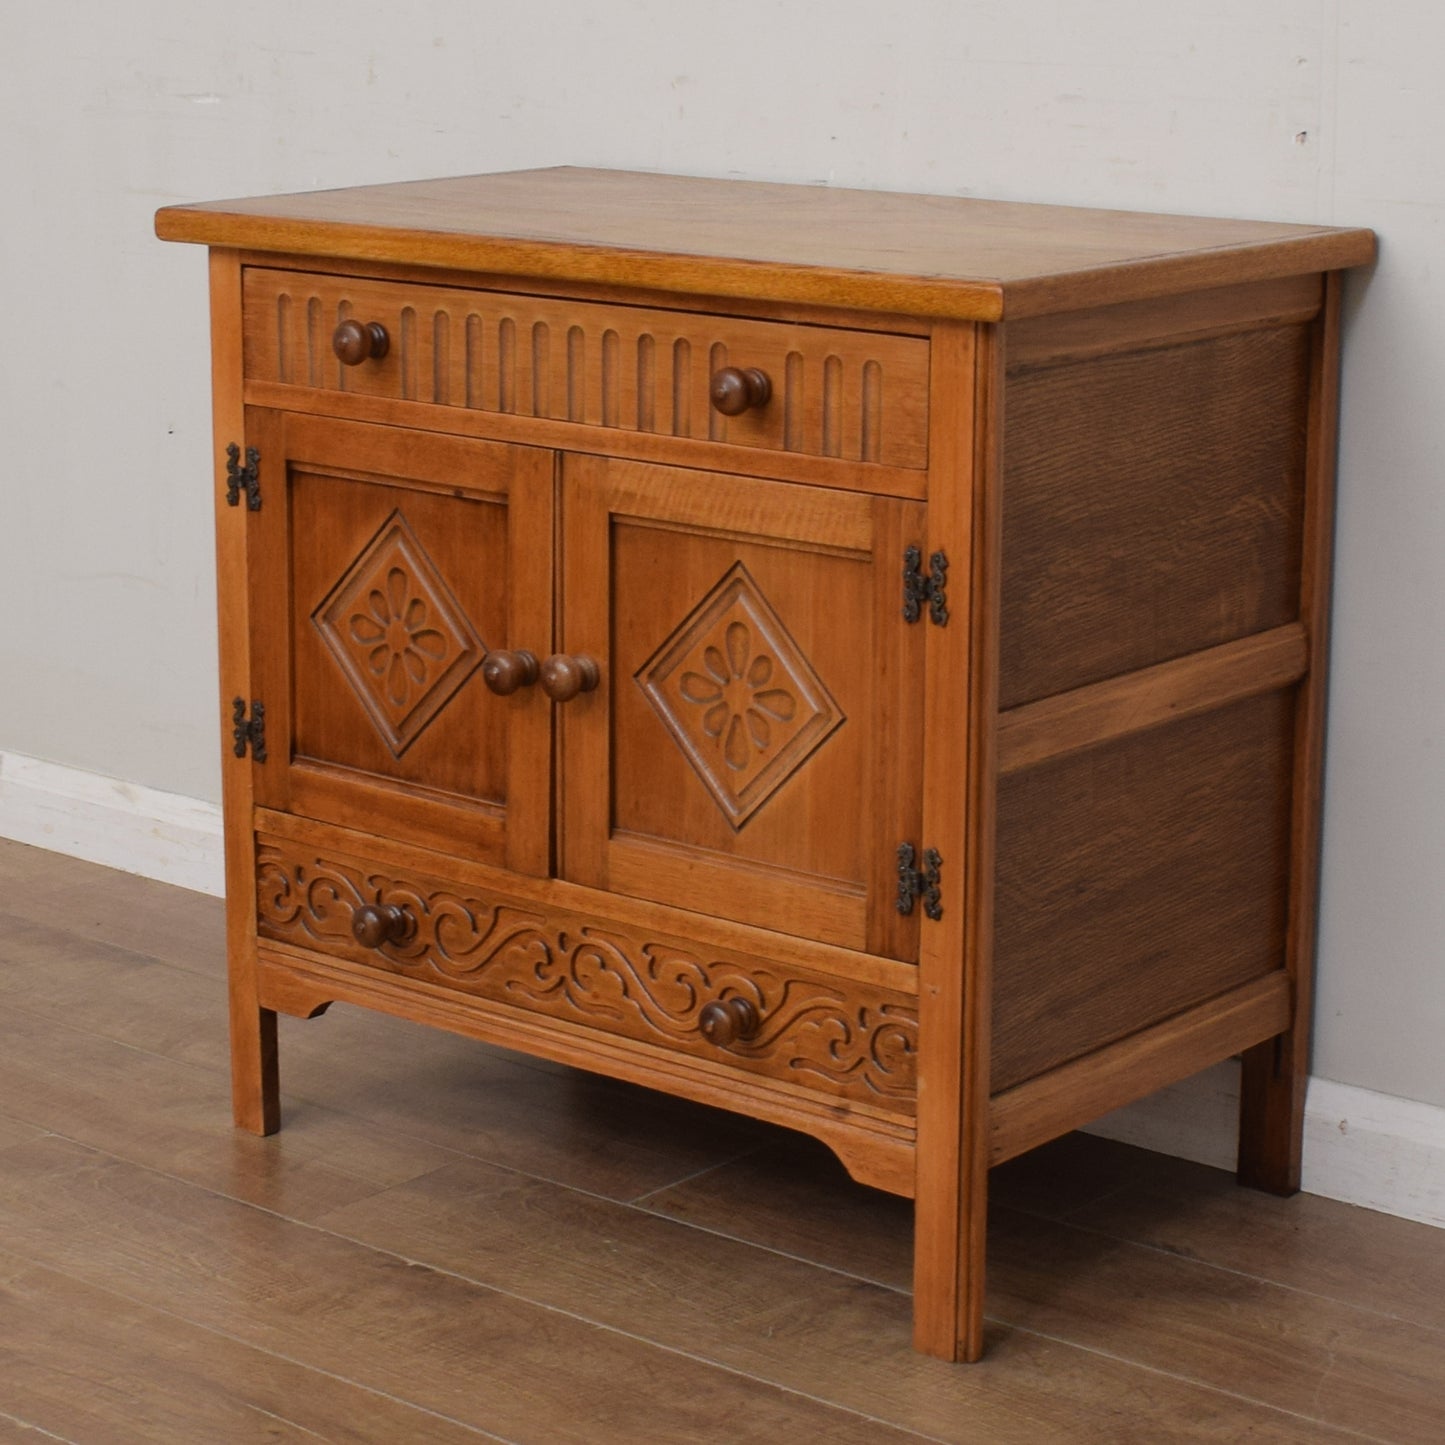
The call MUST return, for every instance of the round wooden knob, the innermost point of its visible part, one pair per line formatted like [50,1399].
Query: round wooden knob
[728,1020]
[376,923]
[504,672]
[564,677]
[356,341]
[737,388]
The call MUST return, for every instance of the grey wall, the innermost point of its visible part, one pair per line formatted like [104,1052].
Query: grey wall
[1307,110]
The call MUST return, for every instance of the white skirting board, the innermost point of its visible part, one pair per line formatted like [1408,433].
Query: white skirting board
[1361,1147]
[103,820]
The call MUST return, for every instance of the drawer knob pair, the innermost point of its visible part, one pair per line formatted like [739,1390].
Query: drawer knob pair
[562,677]
[736,389]
[356,341]
[374,924]
[728,1020]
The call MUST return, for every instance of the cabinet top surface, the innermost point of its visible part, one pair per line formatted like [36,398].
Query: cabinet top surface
[873,250]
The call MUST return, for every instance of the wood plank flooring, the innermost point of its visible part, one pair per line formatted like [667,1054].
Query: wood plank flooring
[449,1243]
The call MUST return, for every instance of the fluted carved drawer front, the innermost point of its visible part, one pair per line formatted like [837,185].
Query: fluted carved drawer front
[859,396]
[850,1038]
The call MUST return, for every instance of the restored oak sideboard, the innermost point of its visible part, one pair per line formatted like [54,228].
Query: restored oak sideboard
[848,658]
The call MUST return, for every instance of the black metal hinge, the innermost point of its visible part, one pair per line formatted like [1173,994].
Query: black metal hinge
[243,479]
[918,589]
[249,734]
[915,883]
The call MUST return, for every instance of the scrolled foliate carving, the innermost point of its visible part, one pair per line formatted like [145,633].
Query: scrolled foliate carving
[848,1039]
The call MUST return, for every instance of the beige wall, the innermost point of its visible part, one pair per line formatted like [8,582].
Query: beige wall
[1304,110]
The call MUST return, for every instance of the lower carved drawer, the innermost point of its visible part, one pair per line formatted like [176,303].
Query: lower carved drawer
[848,1038]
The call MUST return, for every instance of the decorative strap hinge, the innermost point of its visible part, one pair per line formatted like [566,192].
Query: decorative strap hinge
[249,733]
[914,882]
[243,479]
[918,589]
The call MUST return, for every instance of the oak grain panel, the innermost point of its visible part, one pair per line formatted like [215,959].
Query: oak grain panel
[1103,711]
[1138,879]
[1133,325]
[1153,506]
[1087,1088]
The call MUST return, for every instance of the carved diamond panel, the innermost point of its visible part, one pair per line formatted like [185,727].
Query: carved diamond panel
[738,696]
[399,634]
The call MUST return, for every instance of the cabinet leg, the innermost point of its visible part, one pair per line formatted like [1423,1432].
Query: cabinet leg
[1271,1116]
[255,1079]
[948,1277]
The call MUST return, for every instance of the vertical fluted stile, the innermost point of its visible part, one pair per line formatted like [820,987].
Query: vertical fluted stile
[338,370]
[541,369]
[283,337]
[576,374]
[408,350]
[318,344]
[793,403]
[681,387]
[646,383]
[872,441]
[507,365]
[475,359]
[441,358]
[717,423]
[832,406]
[611,378]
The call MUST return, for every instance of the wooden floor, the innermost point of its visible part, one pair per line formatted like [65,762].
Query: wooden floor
[447,1243]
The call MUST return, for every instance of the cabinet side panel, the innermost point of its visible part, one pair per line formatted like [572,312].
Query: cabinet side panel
[1138,879]
[1153,504]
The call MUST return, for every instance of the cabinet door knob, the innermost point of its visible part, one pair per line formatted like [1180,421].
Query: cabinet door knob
[355,342]
[735,389]
[504,672]
[728,1020]
[564,677]
[376,923]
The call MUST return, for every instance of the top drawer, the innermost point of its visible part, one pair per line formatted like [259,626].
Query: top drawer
[860,396]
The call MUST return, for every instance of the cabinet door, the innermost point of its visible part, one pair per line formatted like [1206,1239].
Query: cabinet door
[385,565]
[753,747]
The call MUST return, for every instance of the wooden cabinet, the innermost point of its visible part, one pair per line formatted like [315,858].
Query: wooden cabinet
[851,659]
